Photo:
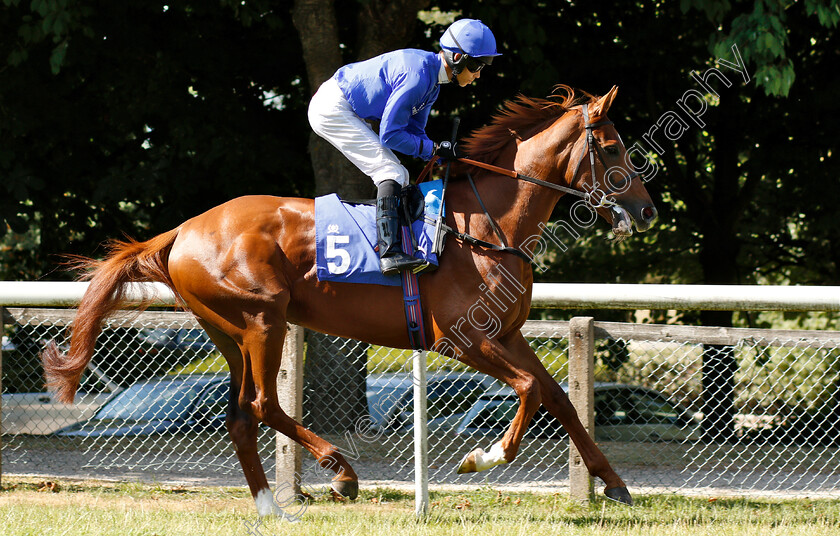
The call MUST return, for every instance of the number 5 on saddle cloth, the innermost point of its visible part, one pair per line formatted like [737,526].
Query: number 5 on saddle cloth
[345,235]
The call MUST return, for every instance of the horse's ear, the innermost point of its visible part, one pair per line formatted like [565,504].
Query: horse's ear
[603,104]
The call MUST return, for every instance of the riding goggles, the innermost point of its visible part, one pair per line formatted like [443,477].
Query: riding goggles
[474,65]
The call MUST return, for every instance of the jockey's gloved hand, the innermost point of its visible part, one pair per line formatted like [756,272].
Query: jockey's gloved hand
[448,151]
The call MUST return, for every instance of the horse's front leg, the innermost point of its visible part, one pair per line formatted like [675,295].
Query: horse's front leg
[557,402]
[496,358]
[534,386]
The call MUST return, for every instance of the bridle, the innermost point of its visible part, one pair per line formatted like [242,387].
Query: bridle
[592,147]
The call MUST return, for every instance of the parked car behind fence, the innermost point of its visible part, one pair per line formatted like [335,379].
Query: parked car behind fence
[390,398]
[622,413]
[160,405]
[176,403]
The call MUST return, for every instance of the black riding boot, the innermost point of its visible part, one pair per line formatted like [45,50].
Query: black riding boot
[392,260]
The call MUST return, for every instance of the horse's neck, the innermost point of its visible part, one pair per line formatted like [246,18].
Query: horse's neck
[520,208]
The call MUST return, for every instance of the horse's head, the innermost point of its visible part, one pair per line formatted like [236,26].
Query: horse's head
[599,165]
[569,147]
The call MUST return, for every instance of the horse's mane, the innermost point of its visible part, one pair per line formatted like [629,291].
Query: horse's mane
[518,118]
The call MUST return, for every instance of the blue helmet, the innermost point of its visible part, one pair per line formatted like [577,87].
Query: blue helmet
[473,40]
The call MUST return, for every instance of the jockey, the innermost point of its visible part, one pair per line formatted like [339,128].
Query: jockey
[398,89]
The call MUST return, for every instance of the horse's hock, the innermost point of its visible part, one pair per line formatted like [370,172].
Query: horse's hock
[783,408]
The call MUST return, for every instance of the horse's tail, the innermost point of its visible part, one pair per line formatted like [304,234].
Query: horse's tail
[126,262]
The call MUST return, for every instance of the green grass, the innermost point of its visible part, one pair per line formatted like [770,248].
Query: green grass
[87,508]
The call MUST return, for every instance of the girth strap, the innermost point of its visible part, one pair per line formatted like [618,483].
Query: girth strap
[411,298]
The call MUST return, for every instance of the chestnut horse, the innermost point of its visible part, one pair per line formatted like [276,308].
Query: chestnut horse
[247,267]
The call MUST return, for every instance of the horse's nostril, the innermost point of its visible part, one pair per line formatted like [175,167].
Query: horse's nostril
[648,213]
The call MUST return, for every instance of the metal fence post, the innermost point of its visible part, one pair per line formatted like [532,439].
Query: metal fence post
[421,436]
[582,395]
[290,393]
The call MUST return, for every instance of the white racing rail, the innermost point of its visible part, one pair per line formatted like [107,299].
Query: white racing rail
[545,295]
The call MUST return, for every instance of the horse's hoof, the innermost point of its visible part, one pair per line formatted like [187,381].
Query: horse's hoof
[467,464]
[619,494]
[346,488]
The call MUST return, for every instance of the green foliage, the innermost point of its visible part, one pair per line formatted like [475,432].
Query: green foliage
[50,21]
[763,35]
[132,117]
[828,13]
[803,379]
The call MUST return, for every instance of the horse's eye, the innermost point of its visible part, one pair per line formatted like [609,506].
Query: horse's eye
[612,149]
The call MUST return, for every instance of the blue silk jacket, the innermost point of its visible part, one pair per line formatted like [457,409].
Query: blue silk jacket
[398,89]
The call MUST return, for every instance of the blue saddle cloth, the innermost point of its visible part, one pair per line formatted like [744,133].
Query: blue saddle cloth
[345,238]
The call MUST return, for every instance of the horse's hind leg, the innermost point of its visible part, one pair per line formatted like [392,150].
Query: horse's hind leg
[253,398]
[262,347]
[243,427]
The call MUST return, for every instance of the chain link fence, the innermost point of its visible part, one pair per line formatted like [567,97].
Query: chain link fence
[760,413]
[677,409]
[151,405]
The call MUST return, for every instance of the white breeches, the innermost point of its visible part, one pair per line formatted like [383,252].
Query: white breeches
[332,118]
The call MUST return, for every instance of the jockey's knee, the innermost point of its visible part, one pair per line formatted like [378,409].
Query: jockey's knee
[390,171]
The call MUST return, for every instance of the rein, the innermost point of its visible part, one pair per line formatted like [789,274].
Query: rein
[516,175]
